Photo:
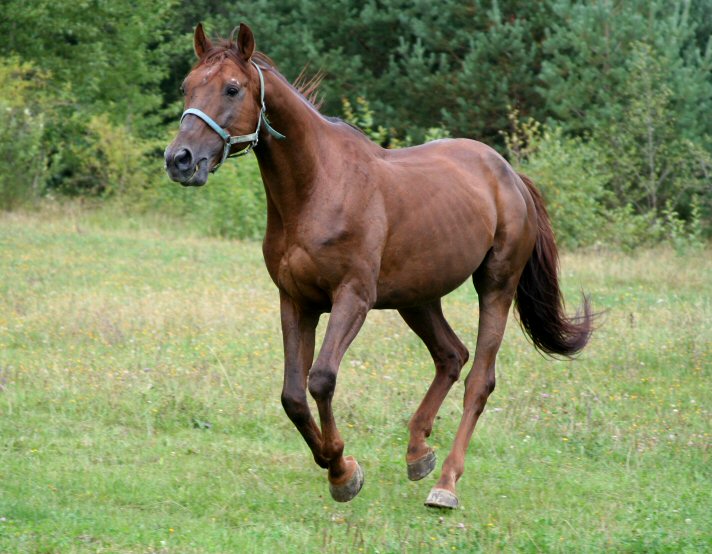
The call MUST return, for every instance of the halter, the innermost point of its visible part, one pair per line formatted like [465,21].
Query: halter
[252,138]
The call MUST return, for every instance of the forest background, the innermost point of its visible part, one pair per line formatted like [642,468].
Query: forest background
[605,104]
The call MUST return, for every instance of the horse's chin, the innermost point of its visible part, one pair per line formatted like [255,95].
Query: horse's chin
[200,175]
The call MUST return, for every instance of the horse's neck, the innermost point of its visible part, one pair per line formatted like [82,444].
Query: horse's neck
[289,167]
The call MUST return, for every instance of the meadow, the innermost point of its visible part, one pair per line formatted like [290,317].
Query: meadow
[140,379]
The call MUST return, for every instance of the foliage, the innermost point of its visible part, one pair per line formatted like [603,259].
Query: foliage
[436,133]
[421,65]
[684,236]
[622,88]
[573,176]
[22,120]
[637,79]
[590,49]
[628,230]
[361,116]
[652,161]
[106,61]
[570,175]
[112,161]
[232,204]
[105,57]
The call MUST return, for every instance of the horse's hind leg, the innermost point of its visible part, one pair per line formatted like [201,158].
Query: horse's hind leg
[449,355]
[495,298]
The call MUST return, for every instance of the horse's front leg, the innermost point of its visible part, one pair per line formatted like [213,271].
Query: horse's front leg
[298,330]
[349,309]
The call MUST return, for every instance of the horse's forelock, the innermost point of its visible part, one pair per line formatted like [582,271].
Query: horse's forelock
[219,51]
[227,49]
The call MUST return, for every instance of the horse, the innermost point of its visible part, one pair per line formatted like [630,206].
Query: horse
[352,227]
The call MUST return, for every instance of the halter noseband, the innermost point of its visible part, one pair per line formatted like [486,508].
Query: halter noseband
[252,138]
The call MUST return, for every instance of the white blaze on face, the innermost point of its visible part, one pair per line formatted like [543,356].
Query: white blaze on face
[208,75]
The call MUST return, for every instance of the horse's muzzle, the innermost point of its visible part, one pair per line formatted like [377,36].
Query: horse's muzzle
[182,167]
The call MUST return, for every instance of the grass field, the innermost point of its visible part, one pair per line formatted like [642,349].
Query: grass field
[140,376]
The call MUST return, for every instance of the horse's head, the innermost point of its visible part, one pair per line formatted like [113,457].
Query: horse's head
[222,107]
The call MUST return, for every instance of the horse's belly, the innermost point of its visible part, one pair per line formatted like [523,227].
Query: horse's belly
[427,276]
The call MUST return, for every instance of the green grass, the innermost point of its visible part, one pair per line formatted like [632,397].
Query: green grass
[140,376]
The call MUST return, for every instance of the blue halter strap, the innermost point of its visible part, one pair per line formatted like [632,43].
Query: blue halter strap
[229,140]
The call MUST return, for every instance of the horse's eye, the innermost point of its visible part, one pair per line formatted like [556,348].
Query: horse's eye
[231,91]
[182,90]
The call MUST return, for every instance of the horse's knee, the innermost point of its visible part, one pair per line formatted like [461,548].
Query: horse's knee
[295,405]
[322,382]
[452,372]
[451,363]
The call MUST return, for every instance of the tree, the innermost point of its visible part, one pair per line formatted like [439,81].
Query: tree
[653,160]
[633,78]
[419,64]
[102,56]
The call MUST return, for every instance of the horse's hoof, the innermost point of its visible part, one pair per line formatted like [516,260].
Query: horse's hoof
[348,490]
[441,498]
[422,468]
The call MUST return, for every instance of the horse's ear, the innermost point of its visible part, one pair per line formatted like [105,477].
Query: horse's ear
[245,41]
[201,43]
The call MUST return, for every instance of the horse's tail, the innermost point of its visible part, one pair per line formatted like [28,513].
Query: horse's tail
[539,300]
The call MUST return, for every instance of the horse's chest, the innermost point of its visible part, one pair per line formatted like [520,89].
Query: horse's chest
[299,276]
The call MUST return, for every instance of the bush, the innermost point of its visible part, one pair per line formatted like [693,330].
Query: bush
[569,174]
[232,204]
[654,166]
[109,161]
[683,236]
[22,156]
[361,116]
[578,182]
[625,229]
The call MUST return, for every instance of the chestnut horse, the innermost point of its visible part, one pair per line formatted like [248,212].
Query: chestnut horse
[353,227]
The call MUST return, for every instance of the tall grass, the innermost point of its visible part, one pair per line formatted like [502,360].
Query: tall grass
[140,375]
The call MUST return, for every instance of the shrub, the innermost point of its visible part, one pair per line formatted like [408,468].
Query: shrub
[625,229]
[683,236]
[654,166]
[22,156]
[232,204]
[569,174]
[112,161]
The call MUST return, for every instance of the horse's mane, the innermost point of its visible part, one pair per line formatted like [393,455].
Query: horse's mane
[307,87]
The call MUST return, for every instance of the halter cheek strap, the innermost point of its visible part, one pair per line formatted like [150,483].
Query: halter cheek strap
[230,140]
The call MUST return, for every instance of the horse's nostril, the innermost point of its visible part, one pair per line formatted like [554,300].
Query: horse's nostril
[183,159]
